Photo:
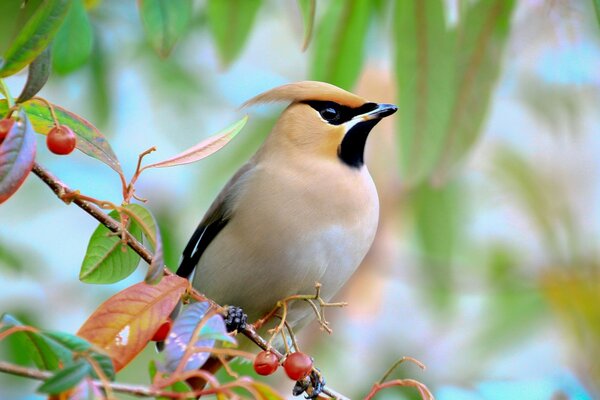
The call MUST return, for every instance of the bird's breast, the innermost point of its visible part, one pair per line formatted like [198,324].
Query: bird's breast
[291,228]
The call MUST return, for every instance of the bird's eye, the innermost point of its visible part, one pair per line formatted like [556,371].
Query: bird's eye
[330,114]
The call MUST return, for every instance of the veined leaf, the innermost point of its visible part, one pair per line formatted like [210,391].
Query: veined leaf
[126,322]
[445,79]
[308,9]
[480,45]
[106,259]
[339,44]
[66,378]
[35,36]
[165,21]
[182,336]
[146,221]
[74,41]
[89,139]
[46,353]
[37,76]
[204,148]
[230,23]
[17,154]
[425,64]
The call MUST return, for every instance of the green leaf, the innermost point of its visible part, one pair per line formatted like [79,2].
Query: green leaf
[89,139]
[37,76]
[46,353]
[425,64]
[340,41]
[107,260]
[71,342]
[100,83]
[230,23]
[165,22]
[480,44]
[308,9]
[79,345]
[146,221]
[446,76]
[438,221]
[597,8]
[66,378]
[17,154]
[74,41]
[35,36]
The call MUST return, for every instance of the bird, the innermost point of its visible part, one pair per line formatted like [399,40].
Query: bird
[303,209]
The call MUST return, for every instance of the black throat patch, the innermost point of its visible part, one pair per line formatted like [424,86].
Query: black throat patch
[351,150]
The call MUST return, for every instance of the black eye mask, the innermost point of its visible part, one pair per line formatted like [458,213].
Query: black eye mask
[337,114]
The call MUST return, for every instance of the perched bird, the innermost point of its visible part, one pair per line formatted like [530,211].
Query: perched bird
[303,209]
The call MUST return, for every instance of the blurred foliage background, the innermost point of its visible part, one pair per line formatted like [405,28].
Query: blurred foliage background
[486,265]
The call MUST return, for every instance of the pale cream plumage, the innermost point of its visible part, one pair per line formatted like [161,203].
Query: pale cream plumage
[304,209]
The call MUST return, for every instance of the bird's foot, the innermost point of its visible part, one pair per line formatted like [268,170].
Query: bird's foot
[312,385]
[235,319]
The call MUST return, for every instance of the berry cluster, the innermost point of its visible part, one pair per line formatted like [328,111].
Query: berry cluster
[296,365]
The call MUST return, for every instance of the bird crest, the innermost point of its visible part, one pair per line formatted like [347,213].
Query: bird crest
[305,91]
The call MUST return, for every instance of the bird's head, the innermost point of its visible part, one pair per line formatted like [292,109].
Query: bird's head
[324,120]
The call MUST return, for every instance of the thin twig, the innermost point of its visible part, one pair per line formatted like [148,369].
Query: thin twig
[60,189]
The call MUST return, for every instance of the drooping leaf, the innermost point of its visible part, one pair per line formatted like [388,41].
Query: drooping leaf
[89,139]
[165,22]
[204,148]
[425,63]
[100,83]
[66,378]
[339,43]
[480,44]
[123,324]
[106,259]
[74,40]
[445,78]
[308,9]
[230,23]
[35,36]
[46,353]
[37,76]
[17,154]
[79,345]
[146,221]
[182,335]
[438,213]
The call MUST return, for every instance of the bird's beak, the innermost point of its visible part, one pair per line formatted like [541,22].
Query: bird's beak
[381,111]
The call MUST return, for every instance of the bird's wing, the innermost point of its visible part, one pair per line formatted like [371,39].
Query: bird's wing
[215,219]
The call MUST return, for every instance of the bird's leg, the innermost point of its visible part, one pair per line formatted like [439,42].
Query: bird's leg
[235,319]
[312,385]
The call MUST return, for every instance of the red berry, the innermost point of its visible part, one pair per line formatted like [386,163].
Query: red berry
[163,331]
[5,127]
[61,140]
[297,365]
[265,363]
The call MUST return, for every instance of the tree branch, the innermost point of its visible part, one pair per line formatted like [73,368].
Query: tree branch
[136,390]
[61,190]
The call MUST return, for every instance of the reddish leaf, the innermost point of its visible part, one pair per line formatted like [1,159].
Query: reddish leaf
[204,148]
[125,323]
[17,154]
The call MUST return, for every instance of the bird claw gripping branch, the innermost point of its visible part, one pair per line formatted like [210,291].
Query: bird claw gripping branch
[312,385]
[235,319]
